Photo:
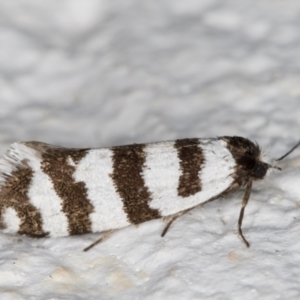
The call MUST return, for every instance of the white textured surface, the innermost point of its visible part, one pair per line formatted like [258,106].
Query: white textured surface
[101,73]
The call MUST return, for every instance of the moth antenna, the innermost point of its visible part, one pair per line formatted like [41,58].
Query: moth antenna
[289,152]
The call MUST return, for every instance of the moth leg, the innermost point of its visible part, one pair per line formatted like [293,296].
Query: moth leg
[173,218]
[102,238]
[244,203]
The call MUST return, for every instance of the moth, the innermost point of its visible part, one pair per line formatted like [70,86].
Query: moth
[52,191]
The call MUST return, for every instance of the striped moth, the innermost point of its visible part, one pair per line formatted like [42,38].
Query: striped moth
[53,191]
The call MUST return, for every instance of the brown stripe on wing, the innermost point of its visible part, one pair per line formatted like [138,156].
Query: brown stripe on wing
[75,203]
[14,194]
[128,162]
[191,161]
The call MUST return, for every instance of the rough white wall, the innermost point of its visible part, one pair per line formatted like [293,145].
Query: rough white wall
[100,73]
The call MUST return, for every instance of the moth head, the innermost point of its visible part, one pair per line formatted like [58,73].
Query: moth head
[248,157]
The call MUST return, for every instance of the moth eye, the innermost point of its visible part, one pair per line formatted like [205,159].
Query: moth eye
[260,170]
[249,152]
